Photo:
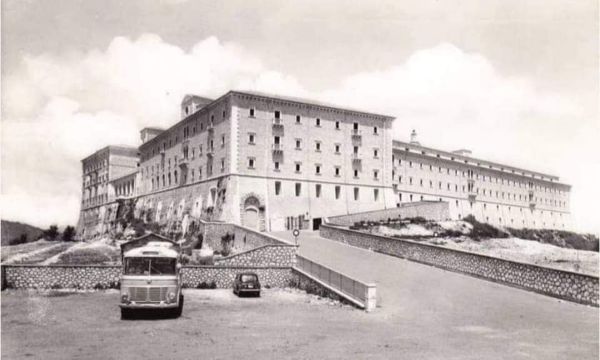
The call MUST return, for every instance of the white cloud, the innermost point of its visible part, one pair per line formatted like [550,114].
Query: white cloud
[58,108]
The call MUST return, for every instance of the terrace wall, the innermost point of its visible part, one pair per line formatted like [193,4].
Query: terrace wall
[430,210]
[566,285]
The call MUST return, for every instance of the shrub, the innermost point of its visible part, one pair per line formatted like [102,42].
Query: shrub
[205,285]
[483,230]
[51,233]
[418,220]
[68,234]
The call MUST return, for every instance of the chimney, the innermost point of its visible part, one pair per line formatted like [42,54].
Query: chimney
[413,138]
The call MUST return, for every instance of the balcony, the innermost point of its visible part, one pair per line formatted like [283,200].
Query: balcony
[356,135]
[211,129]
[210,152]
[277,123]
[183,162]
[356,159]
[277,148]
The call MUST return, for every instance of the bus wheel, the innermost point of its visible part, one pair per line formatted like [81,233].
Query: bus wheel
[126,314]
[179,309]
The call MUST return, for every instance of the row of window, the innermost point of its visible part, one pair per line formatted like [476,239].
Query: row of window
[470,173]
[318,168]
[318,143]
[277,115]
[337,190]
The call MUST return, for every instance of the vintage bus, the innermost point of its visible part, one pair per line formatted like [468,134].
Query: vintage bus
[151,276]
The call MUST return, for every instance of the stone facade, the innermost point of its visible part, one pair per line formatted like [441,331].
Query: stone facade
[557,283]
[89,277]
[497,194]
[430,210]
[223,276]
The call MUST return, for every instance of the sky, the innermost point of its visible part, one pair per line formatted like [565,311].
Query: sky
[517,82]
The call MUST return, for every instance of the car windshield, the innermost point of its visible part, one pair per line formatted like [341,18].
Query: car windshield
[248,278]
[149,266]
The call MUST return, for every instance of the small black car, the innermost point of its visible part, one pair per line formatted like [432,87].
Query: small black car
[246,283]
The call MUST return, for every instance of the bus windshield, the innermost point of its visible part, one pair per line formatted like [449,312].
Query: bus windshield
[150,266]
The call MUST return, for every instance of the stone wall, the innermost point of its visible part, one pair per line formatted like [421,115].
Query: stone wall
[430,210]
[244,238]
[61,277]
[102,277]
[223,276]
[268,255]
[557,283]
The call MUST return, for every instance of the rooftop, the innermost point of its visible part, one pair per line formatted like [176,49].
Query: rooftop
[448,155]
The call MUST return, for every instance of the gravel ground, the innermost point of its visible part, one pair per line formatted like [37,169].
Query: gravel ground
[281,324]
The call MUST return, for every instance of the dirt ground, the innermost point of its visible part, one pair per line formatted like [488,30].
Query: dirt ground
[282,324]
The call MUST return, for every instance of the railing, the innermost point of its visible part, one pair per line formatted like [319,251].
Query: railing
[359,292]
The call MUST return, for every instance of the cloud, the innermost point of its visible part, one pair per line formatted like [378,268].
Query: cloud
[58,108]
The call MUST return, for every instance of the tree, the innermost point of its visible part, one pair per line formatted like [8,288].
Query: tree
[52,233]
[68,233]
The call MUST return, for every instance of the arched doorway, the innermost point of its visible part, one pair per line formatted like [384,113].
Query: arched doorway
[251,213]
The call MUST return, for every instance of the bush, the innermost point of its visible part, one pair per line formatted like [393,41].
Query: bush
[205,285]
[483,230]
[51,233]
[418,220]
[68,234]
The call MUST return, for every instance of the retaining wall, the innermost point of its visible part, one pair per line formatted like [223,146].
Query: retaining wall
[107,276]
[557,283]
[244,238]
[268,255]
[430,210]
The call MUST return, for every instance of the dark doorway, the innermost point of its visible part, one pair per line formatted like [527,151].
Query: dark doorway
[316,223]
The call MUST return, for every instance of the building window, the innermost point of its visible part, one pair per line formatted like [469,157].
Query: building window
[355,174]
[355,126]
[376,194]
[276,165]
[318,190]
[317,146]
[298,189]
[222,164]
[298,119]
[337,125]
[298,167]
[318,169]
[277,188]
[337,171]
[356,194]
[251,161]
[421,182]
[298,144]
[224,114]
[337,192]
[375,153]
[318,122]
[251,138]
[222,140]
[251,112]
[375,130]
[337,148]
[277,114]
[376,174]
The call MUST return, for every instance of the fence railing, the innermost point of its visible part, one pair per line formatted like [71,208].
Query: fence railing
[362,293]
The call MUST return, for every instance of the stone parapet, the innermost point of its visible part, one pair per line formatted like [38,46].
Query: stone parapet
[430,210]
[561,284]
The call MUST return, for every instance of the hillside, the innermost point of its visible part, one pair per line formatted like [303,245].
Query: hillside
[12,230]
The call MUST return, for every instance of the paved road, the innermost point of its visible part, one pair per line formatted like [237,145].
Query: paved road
[470,317]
